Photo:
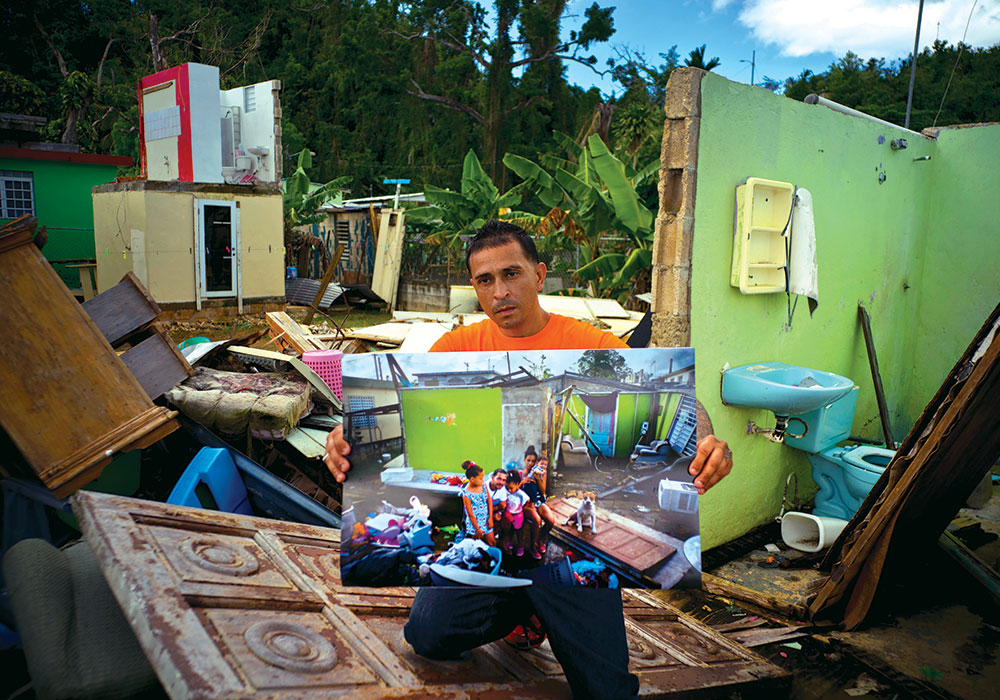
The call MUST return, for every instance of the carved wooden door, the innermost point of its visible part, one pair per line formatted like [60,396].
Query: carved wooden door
[229,606]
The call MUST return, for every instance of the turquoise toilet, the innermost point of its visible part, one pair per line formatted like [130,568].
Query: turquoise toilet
[845,474]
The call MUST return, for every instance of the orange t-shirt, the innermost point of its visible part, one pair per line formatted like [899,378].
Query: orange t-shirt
[560,333]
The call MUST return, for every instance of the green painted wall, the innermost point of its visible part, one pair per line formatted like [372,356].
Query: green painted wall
[445,427]
[960,283]
[631,412]
[63,204]
[891,246]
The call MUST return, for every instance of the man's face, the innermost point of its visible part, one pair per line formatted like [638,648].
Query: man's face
[498,481]
[507,285]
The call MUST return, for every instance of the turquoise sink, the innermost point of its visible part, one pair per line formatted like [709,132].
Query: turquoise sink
[782,388]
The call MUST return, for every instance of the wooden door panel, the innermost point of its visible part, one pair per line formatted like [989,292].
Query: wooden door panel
[229,606]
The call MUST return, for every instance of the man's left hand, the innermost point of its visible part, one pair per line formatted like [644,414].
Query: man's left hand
[711,462]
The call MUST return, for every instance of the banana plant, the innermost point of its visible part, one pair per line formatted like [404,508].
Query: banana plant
[455,215]
[598,194]
[301,199]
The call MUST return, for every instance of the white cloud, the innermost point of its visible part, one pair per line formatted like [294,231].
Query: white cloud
[869,28]
[721,4]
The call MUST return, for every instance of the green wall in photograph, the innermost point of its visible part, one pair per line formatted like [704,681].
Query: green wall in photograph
[445,427]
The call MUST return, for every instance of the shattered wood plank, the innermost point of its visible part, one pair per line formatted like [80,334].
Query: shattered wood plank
[195,585]
[759,637]
[720,586]
[122,310]
[157,364]
[393,333]
[288,333]
[331,268]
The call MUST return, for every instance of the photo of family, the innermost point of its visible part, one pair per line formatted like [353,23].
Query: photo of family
[507,469]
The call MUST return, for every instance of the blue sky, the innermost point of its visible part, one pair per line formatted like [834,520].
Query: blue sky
[788,35]
[656,361]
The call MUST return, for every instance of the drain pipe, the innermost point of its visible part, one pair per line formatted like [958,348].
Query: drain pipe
[815,99]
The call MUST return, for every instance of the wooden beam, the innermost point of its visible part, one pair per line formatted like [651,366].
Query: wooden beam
[720,586]
[334,261]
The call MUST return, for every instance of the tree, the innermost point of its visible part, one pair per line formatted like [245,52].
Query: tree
[696,59]
[494,56]
[592,199]
[457,216]
[608,364]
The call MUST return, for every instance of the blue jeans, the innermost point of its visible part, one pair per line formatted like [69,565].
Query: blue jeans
[586,630]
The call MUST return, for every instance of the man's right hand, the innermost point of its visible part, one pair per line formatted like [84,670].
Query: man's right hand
[337,449]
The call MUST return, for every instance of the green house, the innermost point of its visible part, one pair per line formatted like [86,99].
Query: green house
[55,186]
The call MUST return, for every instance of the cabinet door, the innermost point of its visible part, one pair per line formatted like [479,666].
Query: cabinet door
[230,606]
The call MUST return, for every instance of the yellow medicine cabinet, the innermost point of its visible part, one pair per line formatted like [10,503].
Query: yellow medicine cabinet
[760,234]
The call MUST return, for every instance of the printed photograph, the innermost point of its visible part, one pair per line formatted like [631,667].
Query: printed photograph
[508,469]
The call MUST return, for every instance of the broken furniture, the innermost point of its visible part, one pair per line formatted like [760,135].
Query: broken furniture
[574,452]
[290,336]
[70,404]
[655,454]
[127,313]
[232,606]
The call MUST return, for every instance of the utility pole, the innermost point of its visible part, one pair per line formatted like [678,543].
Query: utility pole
[753,64]
[913,66]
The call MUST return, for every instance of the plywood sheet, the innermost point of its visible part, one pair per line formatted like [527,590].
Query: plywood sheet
[394,333]
[575,307]
[423,335]
[628,545]
[606,308]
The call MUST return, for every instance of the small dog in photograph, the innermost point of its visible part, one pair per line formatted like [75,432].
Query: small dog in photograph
[586,513]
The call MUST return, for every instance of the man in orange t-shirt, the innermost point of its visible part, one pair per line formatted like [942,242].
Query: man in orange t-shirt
[586,628]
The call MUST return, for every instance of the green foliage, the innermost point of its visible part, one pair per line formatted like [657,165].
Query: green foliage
[696,59]
[455,216]
[608,364]
[880,88]
[302,199]
[21,96]
[600,199]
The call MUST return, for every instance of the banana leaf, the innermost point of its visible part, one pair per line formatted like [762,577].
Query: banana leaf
[476,184]
[631,212]
[638,259]
[548,191]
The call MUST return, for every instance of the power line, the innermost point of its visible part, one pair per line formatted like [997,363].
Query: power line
[961,48]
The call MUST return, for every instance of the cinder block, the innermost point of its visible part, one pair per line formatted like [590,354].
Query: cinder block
[680,143]
[677,191]
[670,331]
[672,240]
[672,289]
[683,93]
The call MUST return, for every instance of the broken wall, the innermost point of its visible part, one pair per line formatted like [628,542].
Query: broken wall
[883,239]
[148,228]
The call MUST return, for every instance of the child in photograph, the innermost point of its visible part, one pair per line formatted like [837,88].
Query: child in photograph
[477,506]
[534,486]
[515,530]
[497,487]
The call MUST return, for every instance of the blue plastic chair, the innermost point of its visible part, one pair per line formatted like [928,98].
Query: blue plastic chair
[213,467]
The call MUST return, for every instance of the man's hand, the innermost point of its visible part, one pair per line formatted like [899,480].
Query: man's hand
[713,461]
[337,449]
